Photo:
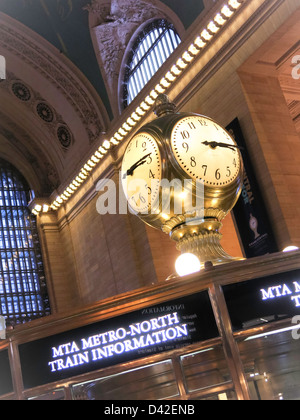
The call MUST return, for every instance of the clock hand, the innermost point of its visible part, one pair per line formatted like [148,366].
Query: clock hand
[214,144]
[136,165]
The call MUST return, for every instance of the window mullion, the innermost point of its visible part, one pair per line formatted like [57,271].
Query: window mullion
[153,47]
[20,273]
[145,62]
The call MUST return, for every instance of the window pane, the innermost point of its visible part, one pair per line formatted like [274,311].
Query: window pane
[152,382]
[272,366]
[205,369]
[23,295]
[153,47]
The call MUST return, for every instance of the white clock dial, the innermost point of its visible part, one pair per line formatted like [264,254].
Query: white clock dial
[205,151]
[141,172]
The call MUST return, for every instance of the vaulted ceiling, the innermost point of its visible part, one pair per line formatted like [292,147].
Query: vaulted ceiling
[65,24]
[55,102]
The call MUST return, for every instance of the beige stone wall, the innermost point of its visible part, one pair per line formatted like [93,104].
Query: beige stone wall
[271,92]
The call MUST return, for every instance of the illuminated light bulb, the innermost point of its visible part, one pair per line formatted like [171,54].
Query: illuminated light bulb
[170,77]
[140,112]
[164,82]
[79,180]
[291,248]
[130,121]
[34,212]
[193,50]
[187,57]
[219,19]
[187,264]
[149,100]
[159,88]
[56,204]
[73,188]
[153,94]
[102,150]
[234,4]
[38,208]
[118,137]
[176,70]
[64,197]
[126,127]
[122,132]
[226,12]
[212,27]
[95,159]
[106,144]
[59,200]
[199,42]
[53,207]
[144,106]
[98,155]
[82,176]
[45,208]
[206,35]
[114,141]
[181,64]
[135,116]
[91,163]
[87,167]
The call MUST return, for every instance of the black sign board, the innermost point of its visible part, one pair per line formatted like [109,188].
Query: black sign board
[268,299]
[6,385]
[121,339]
[250,212]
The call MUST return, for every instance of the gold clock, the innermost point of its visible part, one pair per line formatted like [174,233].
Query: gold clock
[170,150]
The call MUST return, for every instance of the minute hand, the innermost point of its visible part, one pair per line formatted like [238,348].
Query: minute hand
[136,165]
[214,144]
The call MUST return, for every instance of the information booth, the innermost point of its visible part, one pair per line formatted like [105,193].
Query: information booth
[228,333]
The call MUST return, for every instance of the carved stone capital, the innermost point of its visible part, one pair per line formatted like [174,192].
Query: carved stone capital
[114,32]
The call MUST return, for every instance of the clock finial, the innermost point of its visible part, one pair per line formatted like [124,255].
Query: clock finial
[163,106]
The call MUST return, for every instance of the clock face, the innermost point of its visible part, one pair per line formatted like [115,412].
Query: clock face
[141,172]
[205,151]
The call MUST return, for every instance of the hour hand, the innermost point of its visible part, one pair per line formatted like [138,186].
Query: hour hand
[140,162]
[214,144]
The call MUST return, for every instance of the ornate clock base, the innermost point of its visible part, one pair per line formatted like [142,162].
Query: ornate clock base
[202,240]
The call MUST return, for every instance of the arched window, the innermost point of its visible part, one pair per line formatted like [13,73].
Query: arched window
[23,293]
[151,49]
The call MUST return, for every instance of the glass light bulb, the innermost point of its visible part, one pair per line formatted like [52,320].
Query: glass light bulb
[187,264]
[290,249]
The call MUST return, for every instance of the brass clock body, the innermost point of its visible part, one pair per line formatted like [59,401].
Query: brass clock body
[186,146]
